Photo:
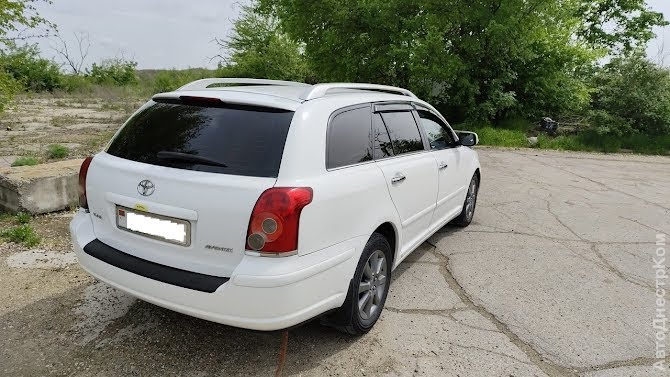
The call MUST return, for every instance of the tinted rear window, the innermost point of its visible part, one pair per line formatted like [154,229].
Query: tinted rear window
[349,138]
[248,140]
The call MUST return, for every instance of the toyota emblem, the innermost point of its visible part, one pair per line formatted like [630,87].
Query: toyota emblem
[146,187]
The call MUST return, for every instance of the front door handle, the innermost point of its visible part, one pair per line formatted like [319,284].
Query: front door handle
[443,165]
[399,177]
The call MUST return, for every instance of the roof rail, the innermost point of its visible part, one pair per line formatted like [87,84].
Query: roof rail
[206,83]
[320,90]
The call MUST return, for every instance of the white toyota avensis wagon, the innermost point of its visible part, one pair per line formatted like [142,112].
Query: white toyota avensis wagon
[262,204]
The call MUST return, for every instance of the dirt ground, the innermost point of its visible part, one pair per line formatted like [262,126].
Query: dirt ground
[553,278]
[82,124]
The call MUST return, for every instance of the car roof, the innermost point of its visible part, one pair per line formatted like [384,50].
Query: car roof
[288,95]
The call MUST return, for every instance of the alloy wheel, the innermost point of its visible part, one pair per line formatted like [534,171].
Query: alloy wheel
[372,286]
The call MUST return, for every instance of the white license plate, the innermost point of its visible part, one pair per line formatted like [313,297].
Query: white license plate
[154,226]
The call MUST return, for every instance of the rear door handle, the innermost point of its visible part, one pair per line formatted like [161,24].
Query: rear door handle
[443,165]
[399,177]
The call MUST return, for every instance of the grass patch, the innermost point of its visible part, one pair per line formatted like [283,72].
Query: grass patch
[25,161]
[584,141]
[128,107]
[111,106]
[94,145]
[23,218]
[23,234]
[637,143]
[56,151]
[5,216]
[647,144]
[63,120]
[563,143]
[501,137]
[518,124]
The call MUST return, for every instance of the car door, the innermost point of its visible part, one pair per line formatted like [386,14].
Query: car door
[409,170]
[448,157]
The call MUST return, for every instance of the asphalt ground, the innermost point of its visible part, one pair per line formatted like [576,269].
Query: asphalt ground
[555,277]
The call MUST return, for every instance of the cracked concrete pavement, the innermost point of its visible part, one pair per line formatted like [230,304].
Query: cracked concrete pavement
[553,278]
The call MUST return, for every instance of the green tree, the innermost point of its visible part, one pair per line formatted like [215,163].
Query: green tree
[632,96]
[618,25]
[259,48]
[477,59]
[18,18]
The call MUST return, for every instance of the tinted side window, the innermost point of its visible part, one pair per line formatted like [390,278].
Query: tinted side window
[244,140]
[439,135]
[349,138]
[403,131]
[380,138]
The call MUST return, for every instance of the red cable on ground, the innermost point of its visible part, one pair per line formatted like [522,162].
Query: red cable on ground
[283,347]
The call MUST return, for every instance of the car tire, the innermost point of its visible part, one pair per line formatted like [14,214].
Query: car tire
[465,217]
[367,290]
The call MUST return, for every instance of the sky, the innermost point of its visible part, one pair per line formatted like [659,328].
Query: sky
[662,34]
[179,34]
[155,33]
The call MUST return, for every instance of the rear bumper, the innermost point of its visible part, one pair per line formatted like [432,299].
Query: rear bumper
[261,294]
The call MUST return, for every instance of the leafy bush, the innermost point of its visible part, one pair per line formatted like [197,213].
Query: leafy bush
[55,151]
[24,234]
[25,161]
[166,81]
[169,80]
[76,83]
[632,97]
[118,72]
[8,88]
[32,71]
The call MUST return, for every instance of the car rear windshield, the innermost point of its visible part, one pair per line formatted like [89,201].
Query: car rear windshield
[229,139]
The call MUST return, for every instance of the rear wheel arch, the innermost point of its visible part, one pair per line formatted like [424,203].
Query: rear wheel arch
[389,231]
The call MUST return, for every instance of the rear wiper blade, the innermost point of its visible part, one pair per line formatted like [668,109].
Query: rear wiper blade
[179,156]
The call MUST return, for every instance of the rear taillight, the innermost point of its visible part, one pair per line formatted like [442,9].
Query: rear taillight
[83,171]
[273,226]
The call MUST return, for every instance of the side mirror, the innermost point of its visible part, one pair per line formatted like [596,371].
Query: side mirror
[467,138]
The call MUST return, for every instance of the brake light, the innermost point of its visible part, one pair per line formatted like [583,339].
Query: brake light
[83,171]
[193,100]
[273,226]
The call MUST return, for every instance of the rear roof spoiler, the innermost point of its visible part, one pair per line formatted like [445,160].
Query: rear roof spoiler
[207,83]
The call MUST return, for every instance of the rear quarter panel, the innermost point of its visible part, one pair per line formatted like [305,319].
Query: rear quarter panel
[348,202]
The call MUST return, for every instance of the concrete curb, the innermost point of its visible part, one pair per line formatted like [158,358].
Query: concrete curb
[40,188]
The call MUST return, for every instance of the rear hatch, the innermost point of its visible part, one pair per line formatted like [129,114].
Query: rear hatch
[197,162]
